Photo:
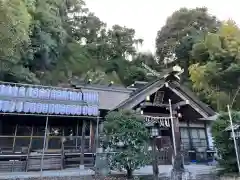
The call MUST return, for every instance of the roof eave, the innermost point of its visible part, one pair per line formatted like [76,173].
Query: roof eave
[210,118]
[125,104]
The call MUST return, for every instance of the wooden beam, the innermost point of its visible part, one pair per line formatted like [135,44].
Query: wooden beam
[179,104]
[48,115]
[145,104]
[138,98]
[193,105]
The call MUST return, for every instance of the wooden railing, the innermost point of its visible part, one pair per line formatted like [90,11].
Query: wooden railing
[14,157]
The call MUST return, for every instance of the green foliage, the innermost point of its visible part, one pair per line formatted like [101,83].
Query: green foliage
[224,145]
[218,71]
[183,29]
[52,41]
[181,23]
[14,36]
[127,128]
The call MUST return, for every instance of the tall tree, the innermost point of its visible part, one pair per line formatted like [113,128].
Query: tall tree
[122,47]
[218,77]
[146,58]
[14,36]
[53,41]
[48,35]
[175,39]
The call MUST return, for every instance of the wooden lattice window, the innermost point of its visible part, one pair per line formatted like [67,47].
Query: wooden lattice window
[158,99]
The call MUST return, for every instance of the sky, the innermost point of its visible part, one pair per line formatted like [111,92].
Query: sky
[148,16]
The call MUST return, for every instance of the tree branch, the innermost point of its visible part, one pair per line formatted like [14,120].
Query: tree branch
[235,96]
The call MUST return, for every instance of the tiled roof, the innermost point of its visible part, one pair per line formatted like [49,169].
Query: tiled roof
[109,96]
[116,96]
[182,89]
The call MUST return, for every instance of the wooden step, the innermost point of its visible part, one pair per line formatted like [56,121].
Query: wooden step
[77,166]
[50,162]
[73,161]
[12,166]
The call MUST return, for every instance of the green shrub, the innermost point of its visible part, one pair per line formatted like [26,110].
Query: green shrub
[128,129]
[223,143]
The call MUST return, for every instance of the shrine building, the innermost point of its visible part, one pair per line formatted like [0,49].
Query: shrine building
[170,105]
[52,128]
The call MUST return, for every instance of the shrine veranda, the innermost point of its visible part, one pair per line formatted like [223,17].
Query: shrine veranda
[64,121]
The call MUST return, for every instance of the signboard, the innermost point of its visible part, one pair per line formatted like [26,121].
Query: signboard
[162,121]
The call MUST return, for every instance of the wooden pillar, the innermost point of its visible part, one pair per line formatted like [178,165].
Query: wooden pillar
[177,132]
[178,164]
[47,138]
[173,128]
[98,131]
[29,148]
[77,134]
[1,126]
[154,159]
[206,134]
[44,143]
[62,153]
[14,139]
[83,145]
[92,135]
[189,135]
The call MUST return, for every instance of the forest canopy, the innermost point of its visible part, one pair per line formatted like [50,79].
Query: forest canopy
[51,42]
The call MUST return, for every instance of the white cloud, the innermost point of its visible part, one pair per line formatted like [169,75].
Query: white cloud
[148,16]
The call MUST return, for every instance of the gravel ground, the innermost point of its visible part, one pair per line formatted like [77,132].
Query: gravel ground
[198,172]
[146,177]
[55,178]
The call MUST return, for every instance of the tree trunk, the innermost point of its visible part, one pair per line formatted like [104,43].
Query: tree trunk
[129,173]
